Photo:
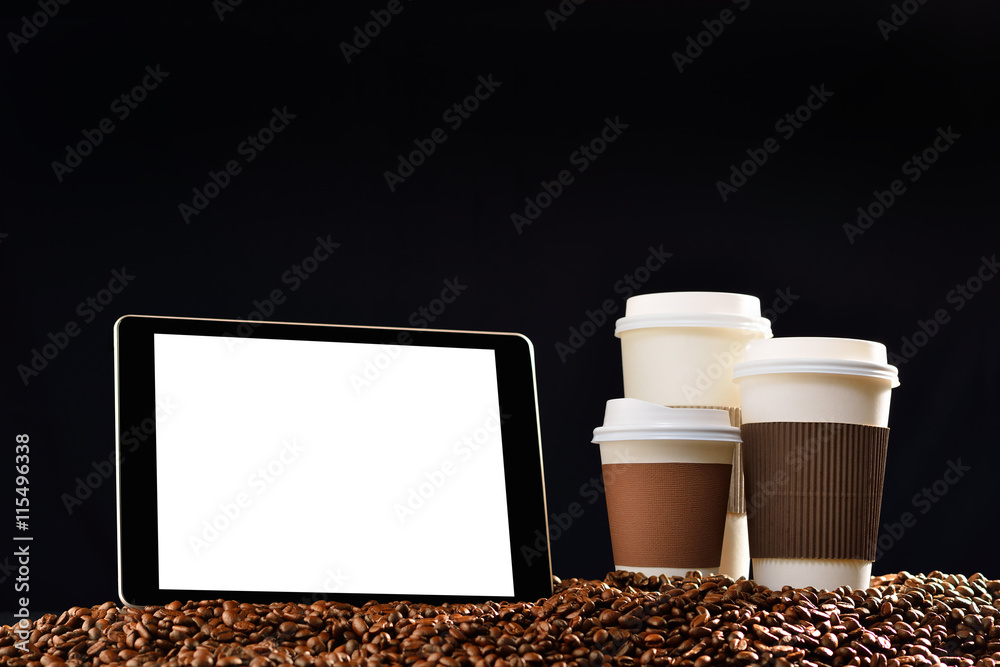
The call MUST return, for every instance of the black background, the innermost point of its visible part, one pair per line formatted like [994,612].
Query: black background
[780,233]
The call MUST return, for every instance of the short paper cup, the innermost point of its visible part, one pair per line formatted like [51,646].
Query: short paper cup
[815,433]
[679,348]
[666,477]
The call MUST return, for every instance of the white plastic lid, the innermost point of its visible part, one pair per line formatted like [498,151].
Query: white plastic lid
[840,356]
[632,419]
[693,309]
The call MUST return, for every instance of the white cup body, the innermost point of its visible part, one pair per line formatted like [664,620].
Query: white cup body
[684,365]
[828,574]
[815,397]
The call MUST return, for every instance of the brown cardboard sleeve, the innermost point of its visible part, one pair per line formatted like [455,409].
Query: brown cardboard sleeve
[813,489]
[737,500]
[666,514]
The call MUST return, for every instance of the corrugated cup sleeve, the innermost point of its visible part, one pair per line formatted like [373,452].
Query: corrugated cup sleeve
[813,490]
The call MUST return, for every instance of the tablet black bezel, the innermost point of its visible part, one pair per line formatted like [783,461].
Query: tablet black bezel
[138,563]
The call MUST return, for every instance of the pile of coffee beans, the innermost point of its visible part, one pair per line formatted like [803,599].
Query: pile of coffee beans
[627,620]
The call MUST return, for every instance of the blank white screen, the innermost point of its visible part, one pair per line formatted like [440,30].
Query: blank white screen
[329,467]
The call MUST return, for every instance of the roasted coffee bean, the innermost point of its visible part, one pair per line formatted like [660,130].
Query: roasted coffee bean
[202,658]
[630,622]
[825,654]
[609,617]
[627,620]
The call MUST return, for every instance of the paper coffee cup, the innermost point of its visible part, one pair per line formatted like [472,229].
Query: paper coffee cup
[666,477]
[679,348]
[815,414]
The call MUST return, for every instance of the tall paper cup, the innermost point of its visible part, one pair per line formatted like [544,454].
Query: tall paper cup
[679,349]
[666,478]
[815,429]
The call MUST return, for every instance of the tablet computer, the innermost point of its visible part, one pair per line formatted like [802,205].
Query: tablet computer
[266,461]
